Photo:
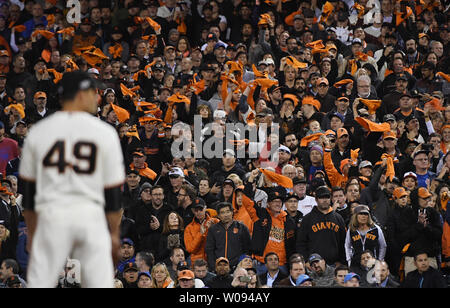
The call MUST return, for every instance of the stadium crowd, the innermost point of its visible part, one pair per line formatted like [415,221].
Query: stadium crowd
[355,94]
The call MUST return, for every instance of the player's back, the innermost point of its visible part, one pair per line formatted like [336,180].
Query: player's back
[73,157]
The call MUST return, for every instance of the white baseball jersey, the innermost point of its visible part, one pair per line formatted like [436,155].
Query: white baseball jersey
[72,157]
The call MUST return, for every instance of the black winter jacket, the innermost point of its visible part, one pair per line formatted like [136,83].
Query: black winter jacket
[230,243]
[323,234]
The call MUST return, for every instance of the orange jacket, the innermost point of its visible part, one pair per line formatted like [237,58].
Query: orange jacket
[242,214]
[446,241]
[336,179]
[194,241]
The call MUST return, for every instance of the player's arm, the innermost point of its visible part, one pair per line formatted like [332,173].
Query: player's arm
[29,191]
[113,212]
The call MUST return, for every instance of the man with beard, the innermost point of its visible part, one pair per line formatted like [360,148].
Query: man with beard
[291,142]
[321,273]
[275,98]
[428,83]
[223,278]
[413,57]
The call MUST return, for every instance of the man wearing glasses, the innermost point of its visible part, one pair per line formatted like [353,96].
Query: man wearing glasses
[421,162]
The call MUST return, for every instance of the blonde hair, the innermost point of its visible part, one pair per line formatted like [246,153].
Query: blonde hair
[166,272]
[6,235]
[354,224]
[236,179]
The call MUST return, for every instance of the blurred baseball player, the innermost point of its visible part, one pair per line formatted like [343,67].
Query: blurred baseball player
[71,173]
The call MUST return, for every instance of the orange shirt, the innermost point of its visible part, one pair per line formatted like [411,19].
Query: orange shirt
[276,238]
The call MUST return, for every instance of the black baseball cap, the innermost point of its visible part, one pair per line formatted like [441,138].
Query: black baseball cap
[198,202]
[73,82]
[323,192]
[298,180]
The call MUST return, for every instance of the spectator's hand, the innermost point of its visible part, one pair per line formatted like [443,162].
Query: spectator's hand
[215,189]
[165,169]
[423,219]
[388,50]
[12,199]
[299,114]
[253,175]
[154,225]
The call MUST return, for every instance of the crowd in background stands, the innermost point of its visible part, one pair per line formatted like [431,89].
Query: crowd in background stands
[357,193]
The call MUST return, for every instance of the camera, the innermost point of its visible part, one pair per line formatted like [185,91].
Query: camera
[245,279]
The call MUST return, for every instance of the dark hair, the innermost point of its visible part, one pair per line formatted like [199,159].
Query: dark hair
[222,205]
[147,257]
[270,254]
[166,228]
[296,258]
[340,268]
[200,263]
[11,263]
[190,191]
[337,188]
[419,252]
[172,251]
[157,187]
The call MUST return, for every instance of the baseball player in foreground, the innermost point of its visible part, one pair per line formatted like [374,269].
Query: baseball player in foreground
[71,171]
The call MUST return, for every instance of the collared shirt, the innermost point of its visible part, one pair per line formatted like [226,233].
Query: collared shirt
[271,280]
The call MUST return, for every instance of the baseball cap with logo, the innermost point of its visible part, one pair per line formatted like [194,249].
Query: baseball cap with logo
[127,240]
[229,182]
[322,80]
[186,274]
[222,259]
[211,37]
[365,164]
[356,41]
[399,192]
[350,276]
[410,174]
[389,135]
[314,258]
[302,278]
[284,148]
[275,195]
[389,117]
[199,202]
[341,132]
[424,193]
[176,172]
[4,53]
[40,94]
[130,267]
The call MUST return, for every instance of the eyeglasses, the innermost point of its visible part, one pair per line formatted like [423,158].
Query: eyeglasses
[322,85]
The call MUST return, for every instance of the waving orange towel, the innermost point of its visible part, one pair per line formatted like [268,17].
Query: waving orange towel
[435,104]
[343,82]
[291,61]
[316,44]
[68,31]
[19,28]
[443,75]
[122,114]
[174,99]
[56,74]
[401,17]
[390,170]
[306,140]
[129,92]
[278,178]
[372,104]
[47,34]
[372,126]
[116,50]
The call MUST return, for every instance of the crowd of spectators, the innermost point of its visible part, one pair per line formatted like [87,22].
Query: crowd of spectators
[354,93]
